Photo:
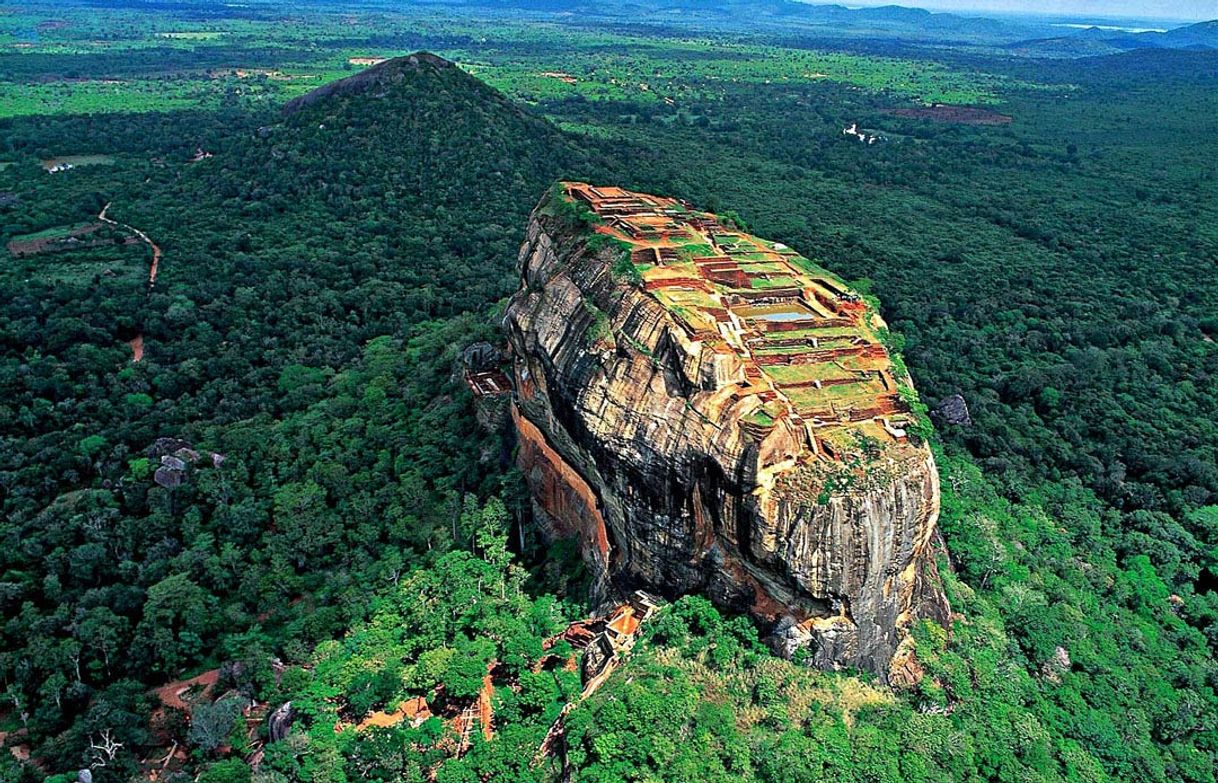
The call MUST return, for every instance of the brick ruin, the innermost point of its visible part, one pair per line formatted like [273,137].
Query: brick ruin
[810,347]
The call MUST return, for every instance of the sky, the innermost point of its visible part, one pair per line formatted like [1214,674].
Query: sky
[1167,9]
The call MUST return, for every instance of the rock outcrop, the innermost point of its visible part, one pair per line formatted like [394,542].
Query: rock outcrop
[708,412]
[279,722]
[952,410]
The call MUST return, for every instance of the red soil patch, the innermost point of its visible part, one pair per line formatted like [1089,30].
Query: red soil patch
[411,710]
[181,694]
[156,250]
[74,240]
[961,115]
[137,347]
[625,622]
[136,343]
[485,710]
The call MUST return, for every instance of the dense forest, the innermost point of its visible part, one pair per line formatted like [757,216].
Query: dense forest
[343,535]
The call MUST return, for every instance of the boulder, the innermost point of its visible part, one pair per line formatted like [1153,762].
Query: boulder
[162,446]
[953,410]
[279,722]
[481,357]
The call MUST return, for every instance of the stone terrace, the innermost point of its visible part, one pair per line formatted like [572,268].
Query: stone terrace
[808,344]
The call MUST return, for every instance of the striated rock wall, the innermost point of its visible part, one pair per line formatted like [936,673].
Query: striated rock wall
[640,438]
[564,505]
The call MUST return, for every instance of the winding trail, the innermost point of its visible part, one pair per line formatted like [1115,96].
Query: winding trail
[156,249]
[137,342]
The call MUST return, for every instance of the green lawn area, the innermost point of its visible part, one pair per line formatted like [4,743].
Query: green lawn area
[775,282]
[693,250]
[801,373]
[760,417]
[53,232]
[821,333]
[137,95]
[763,266]
[77,160]
[672,298]
[80,267]
[781,350]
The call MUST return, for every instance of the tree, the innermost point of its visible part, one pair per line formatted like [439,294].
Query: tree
[306,523]
[178,615]
[227,771]
[212,724]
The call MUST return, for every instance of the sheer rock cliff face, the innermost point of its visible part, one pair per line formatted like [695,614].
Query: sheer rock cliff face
[635,439]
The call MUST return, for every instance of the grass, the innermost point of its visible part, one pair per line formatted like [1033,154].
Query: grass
[694,250]
[77,160]
[82,267]
[762,266]
[50,233]
[780,350]
[816,270]
[827,332]
[687,297]
[760,417]
[774,282]
[800,373]
[98,97]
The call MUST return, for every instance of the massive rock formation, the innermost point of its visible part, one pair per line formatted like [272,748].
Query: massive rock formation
[711,413]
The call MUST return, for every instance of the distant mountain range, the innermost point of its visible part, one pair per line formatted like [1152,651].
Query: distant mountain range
[1092,41]
[1027,38]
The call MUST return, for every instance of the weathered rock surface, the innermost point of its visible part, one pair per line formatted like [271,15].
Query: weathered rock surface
[176,459]
[481,357]
[953,410]
[635,439]
[279,722]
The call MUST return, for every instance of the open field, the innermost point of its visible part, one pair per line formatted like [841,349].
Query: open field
[119,263]
[53,239]
[131,62]
[65,162]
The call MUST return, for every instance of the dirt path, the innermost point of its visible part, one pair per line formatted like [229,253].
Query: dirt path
[171,694]
[137,342]
[486,711]
[156,249]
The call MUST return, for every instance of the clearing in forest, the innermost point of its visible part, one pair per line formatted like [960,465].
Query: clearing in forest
[65,162]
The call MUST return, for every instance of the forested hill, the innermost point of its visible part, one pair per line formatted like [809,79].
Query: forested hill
[304,237]
[423,169]
[372,83]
